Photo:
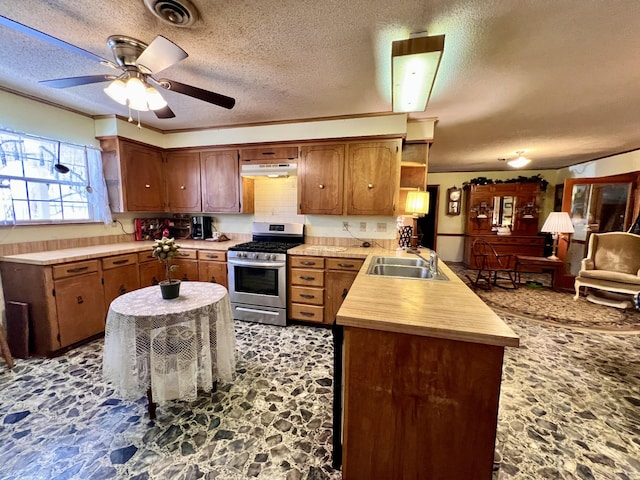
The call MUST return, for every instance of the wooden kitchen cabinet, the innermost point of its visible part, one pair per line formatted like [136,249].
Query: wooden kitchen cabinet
[150,270]
[269,154]
[212,267]
[223,190]
[306,288]
[318,286]
[119,275]
[143,177]
[182,176]
[321,179]
[372,178]
[186,265]
[66,301]
[413,172]
[339,275]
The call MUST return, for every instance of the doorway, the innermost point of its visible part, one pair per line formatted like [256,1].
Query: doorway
[427,224]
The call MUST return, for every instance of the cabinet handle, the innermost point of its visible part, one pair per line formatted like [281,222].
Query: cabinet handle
[213,279]
[77,269]
[308,314]
[122,290]
[182,187]
[185,278]
[147,185]
[321,186]
[307,295]
[346,265]
[155,281]
[211,256]
[344,293]
[370,186]
[120,262]
[307,262]
[80,299]
[306,277]
[268,153]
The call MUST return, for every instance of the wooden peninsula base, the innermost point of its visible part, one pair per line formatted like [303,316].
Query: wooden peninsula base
[418,407]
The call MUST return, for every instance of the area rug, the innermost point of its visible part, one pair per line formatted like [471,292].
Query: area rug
[537,301]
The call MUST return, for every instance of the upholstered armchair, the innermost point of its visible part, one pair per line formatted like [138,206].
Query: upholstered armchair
[612,263]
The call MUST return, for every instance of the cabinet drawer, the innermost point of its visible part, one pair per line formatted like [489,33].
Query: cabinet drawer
[344,264]
[76,268]
[310,296]
[119,261]
[214,256]
[311,278]
[267,154]
[146,257]
[307,313]
[184,254]
[307,262]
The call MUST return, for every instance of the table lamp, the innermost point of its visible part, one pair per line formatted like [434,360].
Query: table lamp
[418,205]
[556,224]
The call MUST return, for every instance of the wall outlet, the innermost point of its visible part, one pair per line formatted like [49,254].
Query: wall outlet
[345,226]
[381,227]
[363,226]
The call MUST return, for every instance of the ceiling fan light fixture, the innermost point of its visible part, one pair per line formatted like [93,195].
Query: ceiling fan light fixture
[117,90]
[154,99]
[415,63]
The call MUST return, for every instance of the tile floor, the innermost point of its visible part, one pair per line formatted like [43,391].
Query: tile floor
[570,409]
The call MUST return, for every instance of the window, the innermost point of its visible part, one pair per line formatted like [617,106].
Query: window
[47,181]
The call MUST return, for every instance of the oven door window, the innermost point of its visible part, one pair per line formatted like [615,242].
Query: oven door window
[256,280]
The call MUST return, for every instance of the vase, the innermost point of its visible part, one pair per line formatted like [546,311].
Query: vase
[170,289]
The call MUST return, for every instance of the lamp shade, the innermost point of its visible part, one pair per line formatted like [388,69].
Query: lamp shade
[558,222]
[415,62]
[417,202]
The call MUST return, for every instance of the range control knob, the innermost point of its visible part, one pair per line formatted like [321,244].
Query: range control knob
[256,255]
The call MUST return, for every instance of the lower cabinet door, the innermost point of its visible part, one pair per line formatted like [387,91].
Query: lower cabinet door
[215,272]
[118,281]
[151,273]
[80,306]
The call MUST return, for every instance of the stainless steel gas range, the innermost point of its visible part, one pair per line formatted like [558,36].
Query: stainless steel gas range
[258,272]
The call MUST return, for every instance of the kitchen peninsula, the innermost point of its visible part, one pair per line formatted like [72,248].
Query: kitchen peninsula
[422,373]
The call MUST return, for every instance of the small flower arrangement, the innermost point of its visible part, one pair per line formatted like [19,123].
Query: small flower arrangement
[165,250]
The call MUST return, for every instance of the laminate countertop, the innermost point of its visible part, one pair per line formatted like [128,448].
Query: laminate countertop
[53,257]
[435,308]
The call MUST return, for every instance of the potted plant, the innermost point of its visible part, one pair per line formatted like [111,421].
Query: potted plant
[165,251]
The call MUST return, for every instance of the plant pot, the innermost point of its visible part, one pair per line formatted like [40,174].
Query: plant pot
[170,289]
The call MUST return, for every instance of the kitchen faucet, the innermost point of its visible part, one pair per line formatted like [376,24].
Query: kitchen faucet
[432,261]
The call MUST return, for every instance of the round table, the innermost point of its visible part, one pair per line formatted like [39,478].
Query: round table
[169,349]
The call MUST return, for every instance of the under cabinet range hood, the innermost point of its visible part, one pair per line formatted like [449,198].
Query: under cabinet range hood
[285,169]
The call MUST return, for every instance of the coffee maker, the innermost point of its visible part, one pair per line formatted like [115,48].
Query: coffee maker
[201,227]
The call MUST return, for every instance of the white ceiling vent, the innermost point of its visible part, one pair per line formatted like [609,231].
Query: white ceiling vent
[179,13]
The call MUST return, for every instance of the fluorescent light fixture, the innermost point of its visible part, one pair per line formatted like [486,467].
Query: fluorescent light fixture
[415,62]
[520,161]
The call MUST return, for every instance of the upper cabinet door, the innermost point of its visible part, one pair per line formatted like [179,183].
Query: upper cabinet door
[321,179]
[220,181]
[373,178]
[182,174]
[143,179]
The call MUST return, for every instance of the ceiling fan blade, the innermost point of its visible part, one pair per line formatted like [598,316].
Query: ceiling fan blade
[160,54]
[77,81]
[199,93]
[165,112]
[32,32]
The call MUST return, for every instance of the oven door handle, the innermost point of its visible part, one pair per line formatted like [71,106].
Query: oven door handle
[253,263]
[253,310]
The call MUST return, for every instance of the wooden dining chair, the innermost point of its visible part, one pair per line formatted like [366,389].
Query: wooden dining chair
[490,265]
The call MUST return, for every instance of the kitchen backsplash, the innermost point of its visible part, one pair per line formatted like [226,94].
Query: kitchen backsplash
[276,199]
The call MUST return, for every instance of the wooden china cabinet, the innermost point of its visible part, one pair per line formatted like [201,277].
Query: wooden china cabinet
[507,215]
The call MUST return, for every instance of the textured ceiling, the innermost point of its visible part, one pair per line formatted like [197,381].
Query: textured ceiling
[557,79]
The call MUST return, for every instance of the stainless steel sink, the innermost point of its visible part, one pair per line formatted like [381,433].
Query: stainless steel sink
[403,268]
[412,262]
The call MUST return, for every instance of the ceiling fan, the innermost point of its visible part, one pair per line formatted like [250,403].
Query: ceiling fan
[135,85]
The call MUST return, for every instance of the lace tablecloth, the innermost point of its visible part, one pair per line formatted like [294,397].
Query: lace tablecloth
[174,347]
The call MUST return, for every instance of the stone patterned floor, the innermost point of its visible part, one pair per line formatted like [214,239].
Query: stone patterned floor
[570,409]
